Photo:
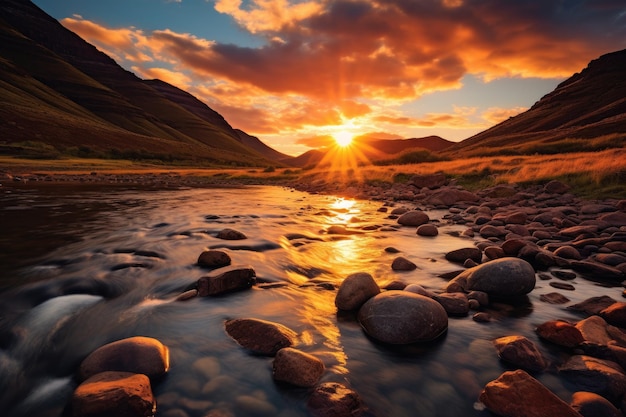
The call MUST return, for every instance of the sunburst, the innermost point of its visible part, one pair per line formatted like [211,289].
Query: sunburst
[343,138]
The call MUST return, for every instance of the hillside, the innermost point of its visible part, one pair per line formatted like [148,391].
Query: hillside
[586,112]
[62,94]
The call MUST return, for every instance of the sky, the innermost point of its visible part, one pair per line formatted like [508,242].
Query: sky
[295,72]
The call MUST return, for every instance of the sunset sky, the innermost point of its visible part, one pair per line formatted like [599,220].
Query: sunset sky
[294,72]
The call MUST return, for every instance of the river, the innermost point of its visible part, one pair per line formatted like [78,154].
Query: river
[86,265]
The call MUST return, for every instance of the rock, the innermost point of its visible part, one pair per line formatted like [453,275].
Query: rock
[494,252]
[480,296]
[450,196]
[402,264]
[615,219]
[427,230]
[139,355]
[594,330]
[560,333]
[332,399]
[517,394]
[554,298]
[592,305]
[227,279]
[488,231]
[120,394]
[521,352]
[518,217]
[568,252]
[460,255]
[355,290]
[214,259]
[556,187]
[482,317]
[615,314]
[430,181]
[504,277]
[297,368]
[260,336]
[563,286]
[512,247]
[593,405]
[230,234]
[413,218]
[418,289]
[575,231]
[597,270]
[402,317]
[455,304]
[595,375]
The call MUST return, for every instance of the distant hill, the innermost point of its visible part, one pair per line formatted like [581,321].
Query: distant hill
[394,146]
[60,94]
[586,112]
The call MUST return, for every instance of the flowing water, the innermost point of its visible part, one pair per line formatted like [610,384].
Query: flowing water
[85,266]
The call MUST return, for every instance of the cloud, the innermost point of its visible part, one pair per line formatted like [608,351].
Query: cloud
[495,115]
[322,141]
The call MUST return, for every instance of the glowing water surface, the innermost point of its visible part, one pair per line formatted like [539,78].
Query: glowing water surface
[87,266]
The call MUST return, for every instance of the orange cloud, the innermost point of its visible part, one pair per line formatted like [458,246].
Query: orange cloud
[322,141]
[495,115]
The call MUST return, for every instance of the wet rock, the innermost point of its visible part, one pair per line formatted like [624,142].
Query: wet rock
[560,333]
[122,394]
[494,252]
[460,255]
[427,230]
[505,277]
[430,181]
[488,231]
[518,217]
[482,317]
[593,405]
[517,394]
[521,352]
[187,295]
[418,289]
[556,187]
[480,296]
[615,219]
[227,279]
[450,196]
[595,375]
[250,405]
[611,259]
[260,336]
[413,218]
[562,286]
[140,355]
[401,317]
[592,305]
[355,290]
[231,234]
[615,314]
[332,399]
[597,270]
[594,330]
[297,368]
[568,252]
[512,247]
[564,275]
[214,259]
[455,304]
[402,264]
[554,298]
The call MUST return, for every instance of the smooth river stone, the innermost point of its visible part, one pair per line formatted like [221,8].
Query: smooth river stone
[504,277]
[402,317]
[355,290]
[260,336]
[297,368]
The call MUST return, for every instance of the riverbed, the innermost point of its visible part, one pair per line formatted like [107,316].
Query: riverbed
[84,265]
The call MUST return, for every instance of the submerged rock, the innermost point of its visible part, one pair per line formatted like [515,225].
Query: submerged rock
[402,264]
[600,376]
[333,399]
[260,336]
[402,317]
[231,234]
[214,259]
[120,394]
[297,368]
[225,280]
[504,277]
[141,355]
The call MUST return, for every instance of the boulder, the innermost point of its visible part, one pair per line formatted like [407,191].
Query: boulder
[517,394]
[521,352]
[413,218]
[615,314]
[231,234]
[592,305]
[593,405]
[427,230]
[556,187]
[120,394]
[517,217]
[260,336]
[214,259]
[402,317]
[615,219]
[598,271]
[591,374]
[227,279]
[402,264]
[560,333]
[568,252]
[355,290]
[504,277]
[430,181]
[418,289]
[449,196]
[455,304]
[297,368]
[332,399]
[594,330]
[462,254]
[139,355]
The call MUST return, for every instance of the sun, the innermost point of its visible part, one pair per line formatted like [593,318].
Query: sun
[343,138]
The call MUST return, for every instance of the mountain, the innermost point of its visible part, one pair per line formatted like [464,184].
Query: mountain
[586,112]
[60,94]
[393,146]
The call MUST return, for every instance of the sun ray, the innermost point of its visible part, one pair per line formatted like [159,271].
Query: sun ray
[343,138]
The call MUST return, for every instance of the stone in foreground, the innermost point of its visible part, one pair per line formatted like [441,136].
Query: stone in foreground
[120,394]
[402,317]
[517,394]
[332,399]
[504,277]
[260,336]
[297,368]
[355,290]
[225,280]
[140,355]
[521,352]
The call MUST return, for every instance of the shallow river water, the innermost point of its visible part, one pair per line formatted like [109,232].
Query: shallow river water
[85,266]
